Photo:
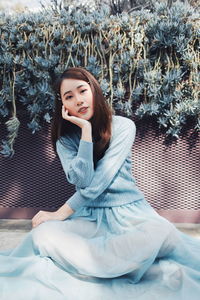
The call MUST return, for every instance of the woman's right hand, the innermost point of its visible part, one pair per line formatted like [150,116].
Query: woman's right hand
[76,120]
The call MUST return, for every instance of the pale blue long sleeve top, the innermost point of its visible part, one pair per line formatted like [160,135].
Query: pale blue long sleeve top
[111,183]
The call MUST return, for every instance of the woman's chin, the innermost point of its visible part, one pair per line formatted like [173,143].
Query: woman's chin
[85,116]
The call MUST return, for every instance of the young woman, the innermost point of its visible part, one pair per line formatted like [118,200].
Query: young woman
[106,241]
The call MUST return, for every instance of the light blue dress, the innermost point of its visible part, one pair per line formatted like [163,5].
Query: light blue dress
[115,245]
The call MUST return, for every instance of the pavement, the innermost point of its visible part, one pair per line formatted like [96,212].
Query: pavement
[13,231]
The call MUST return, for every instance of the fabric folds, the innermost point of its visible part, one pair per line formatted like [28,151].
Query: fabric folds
[125,252]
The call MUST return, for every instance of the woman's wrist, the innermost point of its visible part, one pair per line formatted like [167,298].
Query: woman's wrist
[64,212]
[87,133]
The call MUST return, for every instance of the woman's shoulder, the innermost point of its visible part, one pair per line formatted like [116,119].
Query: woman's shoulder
[123,122]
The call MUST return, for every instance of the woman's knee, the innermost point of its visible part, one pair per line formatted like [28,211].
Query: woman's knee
[164,225]
[42,236]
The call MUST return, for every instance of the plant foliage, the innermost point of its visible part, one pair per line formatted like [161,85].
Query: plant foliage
[147,63]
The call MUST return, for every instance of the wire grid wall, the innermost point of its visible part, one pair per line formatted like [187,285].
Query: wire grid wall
[168,176]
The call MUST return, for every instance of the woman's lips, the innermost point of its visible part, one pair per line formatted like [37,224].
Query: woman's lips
[83,111]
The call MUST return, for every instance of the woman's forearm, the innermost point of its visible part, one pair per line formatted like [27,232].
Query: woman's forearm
[87,133]
[64,212]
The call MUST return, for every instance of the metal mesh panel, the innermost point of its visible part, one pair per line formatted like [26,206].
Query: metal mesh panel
[169,176]
[33,177]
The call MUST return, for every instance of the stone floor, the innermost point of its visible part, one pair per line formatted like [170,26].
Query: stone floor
[13,231]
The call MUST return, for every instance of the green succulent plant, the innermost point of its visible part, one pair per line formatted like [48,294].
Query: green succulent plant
[146,62]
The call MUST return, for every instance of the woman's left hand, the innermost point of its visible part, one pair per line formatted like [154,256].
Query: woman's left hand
[43,216]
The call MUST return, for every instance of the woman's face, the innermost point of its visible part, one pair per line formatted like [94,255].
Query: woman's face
[76,94]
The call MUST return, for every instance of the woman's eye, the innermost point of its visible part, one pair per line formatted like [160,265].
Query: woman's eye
[68,97]
[83,91]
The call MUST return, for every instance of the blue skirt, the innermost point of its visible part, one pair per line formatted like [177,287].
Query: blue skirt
[103,253]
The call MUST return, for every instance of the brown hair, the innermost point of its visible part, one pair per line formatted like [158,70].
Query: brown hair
[100,121]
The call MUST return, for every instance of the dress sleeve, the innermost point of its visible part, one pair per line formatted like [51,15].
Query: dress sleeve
[107,167]
[77,165]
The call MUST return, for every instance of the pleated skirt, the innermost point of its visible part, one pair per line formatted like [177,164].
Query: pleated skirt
[103,253]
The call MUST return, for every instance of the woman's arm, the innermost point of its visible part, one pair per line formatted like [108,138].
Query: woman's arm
[61,214]
[107,167]
[86,133]
[77,165]
[64,212]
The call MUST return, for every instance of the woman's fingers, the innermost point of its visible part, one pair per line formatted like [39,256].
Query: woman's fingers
[40,217]
[43,216]
[76,120]
[36,221]
[64,113]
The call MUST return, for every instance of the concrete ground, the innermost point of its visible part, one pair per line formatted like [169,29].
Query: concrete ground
[13,231]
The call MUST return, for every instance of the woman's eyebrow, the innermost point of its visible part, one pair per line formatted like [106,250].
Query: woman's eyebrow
[76,88]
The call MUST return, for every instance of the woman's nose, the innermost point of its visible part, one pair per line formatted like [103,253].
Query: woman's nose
[79,99]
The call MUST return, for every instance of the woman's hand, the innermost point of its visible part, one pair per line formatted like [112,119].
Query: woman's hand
[61,214]
[43,216]
[76,120]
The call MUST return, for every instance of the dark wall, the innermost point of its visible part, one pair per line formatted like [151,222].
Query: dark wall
[168,175]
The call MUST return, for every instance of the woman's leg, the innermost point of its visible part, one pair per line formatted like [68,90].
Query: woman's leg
[107,255]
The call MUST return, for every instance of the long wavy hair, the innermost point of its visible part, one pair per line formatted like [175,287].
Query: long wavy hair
[101,120]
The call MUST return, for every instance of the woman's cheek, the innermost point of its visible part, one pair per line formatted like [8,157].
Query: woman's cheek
[69,112]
